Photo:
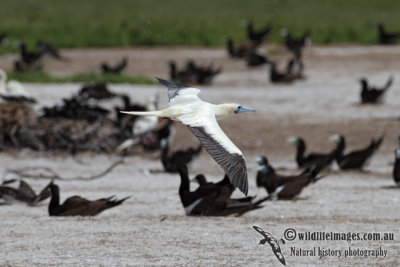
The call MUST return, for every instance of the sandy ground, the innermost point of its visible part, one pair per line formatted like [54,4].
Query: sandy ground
[151,229]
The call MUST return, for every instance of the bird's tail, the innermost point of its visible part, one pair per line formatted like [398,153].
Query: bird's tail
[144,113]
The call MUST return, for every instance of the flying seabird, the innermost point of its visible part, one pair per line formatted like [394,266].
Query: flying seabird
[273,242]
[355,159]
[201,118]
[23,193]
[213,199]
[173,162]
[13,90]
[79,206]
[117,69]
[386,37]
[396,168]
[371,94]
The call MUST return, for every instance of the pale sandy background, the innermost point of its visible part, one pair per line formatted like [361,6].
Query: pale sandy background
[151,229]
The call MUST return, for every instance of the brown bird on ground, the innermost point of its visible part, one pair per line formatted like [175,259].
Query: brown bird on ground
[211,200]
[355,159]
[117,69]
[172,163]
[79,206]
[371,94]
[284,187]
[241,50]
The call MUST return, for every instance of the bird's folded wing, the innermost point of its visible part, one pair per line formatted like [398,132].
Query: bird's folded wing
[219,146]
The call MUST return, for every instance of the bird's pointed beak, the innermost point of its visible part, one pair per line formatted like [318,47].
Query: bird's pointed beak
[244,109]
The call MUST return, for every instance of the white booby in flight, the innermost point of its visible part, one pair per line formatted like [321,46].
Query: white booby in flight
[201,118]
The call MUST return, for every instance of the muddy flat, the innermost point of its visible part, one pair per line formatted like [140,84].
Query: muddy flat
[151,227]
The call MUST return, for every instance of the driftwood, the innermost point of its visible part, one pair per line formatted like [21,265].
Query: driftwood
[42,172]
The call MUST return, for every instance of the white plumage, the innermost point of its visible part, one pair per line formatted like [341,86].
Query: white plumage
[201,118]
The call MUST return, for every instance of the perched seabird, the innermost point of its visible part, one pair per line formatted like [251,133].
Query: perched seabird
[254,60]
[295,45]
[306,161]
[181,76]
[50,50]
[257,36]
[278,77]
[371,94]
[117,69]
[173,162]
[385,37]
[13,90]
[285,187]
[355,159]
[241,50]
[23,193]
[212,199]
[203,75]
[273,242]
[396,168]
[201,118]
[79,206]
[97,91]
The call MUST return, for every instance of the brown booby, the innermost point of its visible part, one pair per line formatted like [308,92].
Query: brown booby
[173,162]
[385,37]
[355,159]
[79,206]
[371,94]
[117,69]
[212,201]
[284,187]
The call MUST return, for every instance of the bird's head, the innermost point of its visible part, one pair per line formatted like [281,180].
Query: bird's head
[337,138]
[262,160]
[236,108]
[294,140]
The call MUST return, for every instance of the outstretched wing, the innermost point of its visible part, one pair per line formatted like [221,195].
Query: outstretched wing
[273,243]
[178,93]
[205,127]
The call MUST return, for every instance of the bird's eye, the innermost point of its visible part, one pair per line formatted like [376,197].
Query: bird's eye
[239,107]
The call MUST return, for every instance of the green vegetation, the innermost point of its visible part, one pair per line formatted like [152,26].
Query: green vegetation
[88,23]
[43,77]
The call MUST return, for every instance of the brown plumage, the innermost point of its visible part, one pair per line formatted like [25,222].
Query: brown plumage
[283,186]
[241,50]
[117,69]
[173,162]
[213,199]
[358,158]
[373,95]
[23,193]
[79,206]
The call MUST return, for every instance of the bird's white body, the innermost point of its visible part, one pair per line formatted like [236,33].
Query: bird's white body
[11,88]
[201,118]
